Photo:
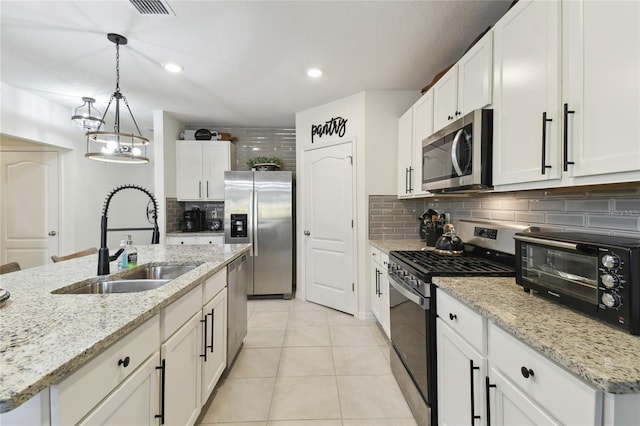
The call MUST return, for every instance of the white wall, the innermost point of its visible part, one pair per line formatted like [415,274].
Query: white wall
[373,125]
[84,183]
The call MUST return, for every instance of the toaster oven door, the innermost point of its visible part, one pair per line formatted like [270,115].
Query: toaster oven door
[561,272]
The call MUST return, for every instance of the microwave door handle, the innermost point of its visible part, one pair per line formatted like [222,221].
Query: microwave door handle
[454,152]
[551,243]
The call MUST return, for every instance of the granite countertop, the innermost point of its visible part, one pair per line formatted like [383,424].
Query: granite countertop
[601,355]
[388,245]
[45,336]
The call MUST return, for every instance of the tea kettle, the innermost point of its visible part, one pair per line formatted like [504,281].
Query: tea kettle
[449,243]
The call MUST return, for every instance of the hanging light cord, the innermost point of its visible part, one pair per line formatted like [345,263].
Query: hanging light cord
[118,95]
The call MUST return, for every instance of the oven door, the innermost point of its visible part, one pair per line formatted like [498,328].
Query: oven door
[409,312]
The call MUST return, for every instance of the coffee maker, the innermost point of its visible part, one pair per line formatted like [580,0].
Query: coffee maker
[193,220]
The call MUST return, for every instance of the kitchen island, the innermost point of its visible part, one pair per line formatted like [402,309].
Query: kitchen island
[46,337]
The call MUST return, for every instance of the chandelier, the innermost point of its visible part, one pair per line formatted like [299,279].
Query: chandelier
[86,116]
[117,146]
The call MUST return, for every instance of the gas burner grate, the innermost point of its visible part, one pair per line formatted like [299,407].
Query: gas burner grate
[434,264]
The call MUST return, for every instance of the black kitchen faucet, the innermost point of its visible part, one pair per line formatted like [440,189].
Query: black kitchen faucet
[103,253]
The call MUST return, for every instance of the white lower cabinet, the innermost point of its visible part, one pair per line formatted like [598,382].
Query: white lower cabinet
[192,240]
[181,396]
[134,402]
[461,377]
[215,314]
[380,288]
[461,343]
[510,406]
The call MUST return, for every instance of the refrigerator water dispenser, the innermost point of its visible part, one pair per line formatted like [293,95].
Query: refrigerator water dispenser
[238,225]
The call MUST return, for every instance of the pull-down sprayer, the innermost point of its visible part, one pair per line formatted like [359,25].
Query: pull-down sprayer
[103,253]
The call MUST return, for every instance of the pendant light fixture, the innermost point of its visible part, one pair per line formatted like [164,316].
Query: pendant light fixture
[117,146]
[86,116]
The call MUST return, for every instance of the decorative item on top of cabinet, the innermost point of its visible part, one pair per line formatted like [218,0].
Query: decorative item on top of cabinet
[466,86]
[569,131]
[200,167]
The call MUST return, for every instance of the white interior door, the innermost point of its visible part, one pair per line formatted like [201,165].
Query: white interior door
[29,205]
[329,232]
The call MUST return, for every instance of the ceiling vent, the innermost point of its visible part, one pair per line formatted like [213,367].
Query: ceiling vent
[152,7]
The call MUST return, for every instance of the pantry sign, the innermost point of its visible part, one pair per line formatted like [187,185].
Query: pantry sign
[335,126]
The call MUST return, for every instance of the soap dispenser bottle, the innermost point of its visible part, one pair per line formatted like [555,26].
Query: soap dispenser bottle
[132,253]
[122,260]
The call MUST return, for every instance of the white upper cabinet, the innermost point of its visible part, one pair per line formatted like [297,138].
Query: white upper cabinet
[422,128]
[567,94]
[466,86]
[415,125]
[405,138]
[526,118]
[200,167]
[601,87]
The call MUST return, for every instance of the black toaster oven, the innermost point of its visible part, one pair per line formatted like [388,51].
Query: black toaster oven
[595,274]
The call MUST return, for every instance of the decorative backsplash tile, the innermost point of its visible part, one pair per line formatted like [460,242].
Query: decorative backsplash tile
[612,209]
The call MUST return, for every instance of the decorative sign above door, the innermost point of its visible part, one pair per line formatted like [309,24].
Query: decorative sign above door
[335,126]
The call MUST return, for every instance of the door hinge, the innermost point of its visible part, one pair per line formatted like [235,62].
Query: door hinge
[352,223]
[350,159]
[353,287]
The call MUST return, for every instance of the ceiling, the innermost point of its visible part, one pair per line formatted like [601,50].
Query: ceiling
[244,62]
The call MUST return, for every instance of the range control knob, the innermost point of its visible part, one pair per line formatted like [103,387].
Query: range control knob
[610,280]
[610,300]
[610,261]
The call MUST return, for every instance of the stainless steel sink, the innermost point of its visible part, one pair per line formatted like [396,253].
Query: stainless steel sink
[157,272]
[119,286]
[147,277]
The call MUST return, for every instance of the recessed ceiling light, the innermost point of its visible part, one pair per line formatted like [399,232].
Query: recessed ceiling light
[314,72]
[173,68]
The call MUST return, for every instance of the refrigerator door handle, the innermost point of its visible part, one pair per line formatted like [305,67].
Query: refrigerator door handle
[255,223]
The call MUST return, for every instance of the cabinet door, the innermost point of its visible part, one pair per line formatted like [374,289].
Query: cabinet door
[134,402]
[422,128]
[461,373]
[601,86]
[475,72]
[189,170]
[216,162]
[375,291]
[215,343]
[182,388]
[384,318]
[445,99]
[405,128]
[509,406]
[526,91]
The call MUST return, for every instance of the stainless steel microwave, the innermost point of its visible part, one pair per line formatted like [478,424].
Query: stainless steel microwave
[459,157]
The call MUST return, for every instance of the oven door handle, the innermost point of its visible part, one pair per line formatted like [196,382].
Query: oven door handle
[551,243]
[418,300]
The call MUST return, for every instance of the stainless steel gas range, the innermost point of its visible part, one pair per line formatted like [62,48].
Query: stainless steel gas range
[488,251]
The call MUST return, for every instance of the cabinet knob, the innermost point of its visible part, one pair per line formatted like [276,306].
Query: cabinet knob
[526,372]
[124,362]
[454,316]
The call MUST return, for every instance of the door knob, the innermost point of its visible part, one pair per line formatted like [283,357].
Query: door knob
[53,233]
[307,233]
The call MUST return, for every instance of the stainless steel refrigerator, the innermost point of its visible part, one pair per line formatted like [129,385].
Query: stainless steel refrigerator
[258,209]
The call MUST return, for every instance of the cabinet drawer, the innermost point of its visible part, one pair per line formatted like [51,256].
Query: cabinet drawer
[213,285]
[211,239]
[176,314]
[383,259]
[176,241]
[563,395]
[84,389]
[466,322]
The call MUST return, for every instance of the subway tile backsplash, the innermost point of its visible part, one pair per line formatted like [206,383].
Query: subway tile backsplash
[613,210]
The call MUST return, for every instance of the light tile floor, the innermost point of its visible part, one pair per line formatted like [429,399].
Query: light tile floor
[306,365]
